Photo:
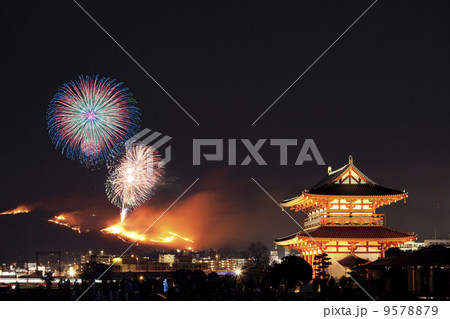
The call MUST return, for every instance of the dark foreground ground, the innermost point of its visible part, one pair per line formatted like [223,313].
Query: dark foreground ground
[221,290]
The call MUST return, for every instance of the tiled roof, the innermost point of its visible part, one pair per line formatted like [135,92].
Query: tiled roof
[286,237]
[327,186]
[366,232]
[349,261]
[354,189]
[331,176]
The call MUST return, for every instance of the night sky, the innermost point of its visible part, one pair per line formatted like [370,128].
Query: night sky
[380,94]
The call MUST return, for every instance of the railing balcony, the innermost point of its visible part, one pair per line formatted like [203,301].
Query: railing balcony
[343,220]
[352,220]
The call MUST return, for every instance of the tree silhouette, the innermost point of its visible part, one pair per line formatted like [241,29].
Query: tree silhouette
[292,271]
[257,264]
[258,255]
[321,264]
[394,251]
[358,270]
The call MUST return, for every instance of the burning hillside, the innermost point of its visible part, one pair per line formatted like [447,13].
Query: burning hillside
[131,236]
[22,209]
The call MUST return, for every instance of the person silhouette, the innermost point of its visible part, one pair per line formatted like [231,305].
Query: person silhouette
[166,286]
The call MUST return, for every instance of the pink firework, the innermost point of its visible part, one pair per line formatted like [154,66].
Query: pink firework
[91,117]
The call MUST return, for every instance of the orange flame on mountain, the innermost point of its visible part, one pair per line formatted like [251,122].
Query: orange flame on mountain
[22,209]
[126,235]
[61,220]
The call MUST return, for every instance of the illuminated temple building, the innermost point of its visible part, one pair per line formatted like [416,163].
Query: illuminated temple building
[341,219]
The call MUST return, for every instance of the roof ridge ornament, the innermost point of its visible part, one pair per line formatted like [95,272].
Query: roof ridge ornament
[350,160]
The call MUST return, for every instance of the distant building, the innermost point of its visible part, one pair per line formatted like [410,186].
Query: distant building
[437,242]
[209,264]
[166,258]
[227,264]
[231,264]
[164,262]
[411,246]
[191,266]
[102,259]
[30,266]
[273,257]
[96,258]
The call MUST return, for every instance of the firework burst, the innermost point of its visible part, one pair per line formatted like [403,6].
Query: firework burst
[90,117]
[133,179]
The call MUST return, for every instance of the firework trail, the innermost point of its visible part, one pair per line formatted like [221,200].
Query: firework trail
[90,117]
[123,214]
[133,179]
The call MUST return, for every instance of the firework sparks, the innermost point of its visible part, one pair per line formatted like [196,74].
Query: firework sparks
[134,178]
[18,210]
[89,118]
[125,235]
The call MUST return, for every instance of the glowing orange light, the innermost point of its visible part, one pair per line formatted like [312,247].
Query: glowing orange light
[18,210]
[61,220]
[126,235]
